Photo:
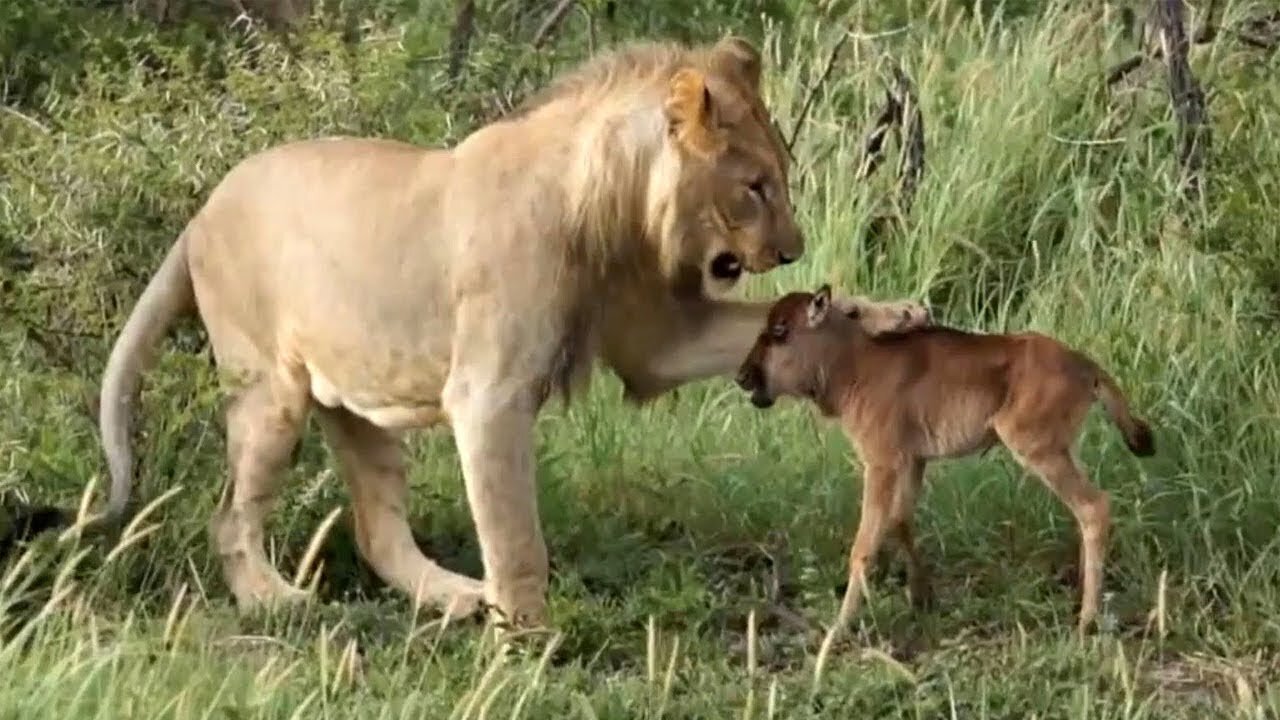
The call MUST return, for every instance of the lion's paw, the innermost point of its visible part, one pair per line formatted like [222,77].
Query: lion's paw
[459,597]
[885,316]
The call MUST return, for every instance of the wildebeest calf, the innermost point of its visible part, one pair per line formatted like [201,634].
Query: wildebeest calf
[908,397]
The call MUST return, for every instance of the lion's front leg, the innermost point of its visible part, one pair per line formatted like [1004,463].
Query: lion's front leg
[713,340]
[492,398]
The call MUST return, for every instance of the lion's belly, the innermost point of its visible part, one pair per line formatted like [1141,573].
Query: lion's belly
[393,378]
[401,413]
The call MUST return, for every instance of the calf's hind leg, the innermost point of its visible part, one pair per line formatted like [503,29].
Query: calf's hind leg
[1091,508]
[900,521]
[264,423]
[372,463]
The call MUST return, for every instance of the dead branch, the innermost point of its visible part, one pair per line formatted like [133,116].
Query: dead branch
[778,129]
[1186,95]
[552,22]
[901,112]
[890,116]
[911,164]
[1207,30]
[1261,32]
[1129,24]
[464,26]
[1121,70]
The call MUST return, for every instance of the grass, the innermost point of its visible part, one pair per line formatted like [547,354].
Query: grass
[667,525]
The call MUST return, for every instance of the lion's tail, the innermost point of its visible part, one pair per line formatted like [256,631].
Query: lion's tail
[1137,433]
[167,296]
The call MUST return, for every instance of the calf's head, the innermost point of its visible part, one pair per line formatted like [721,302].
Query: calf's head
[793,353]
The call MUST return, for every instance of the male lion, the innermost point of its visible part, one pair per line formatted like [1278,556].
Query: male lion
[906,398]
[390,287]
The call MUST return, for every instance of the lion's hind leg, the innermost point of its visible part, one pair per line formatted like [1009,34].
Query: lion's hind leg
[372,463]
[264,423]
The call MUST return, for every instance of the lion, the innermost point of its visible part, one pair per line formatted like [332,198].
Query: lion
[387,288]
[905,398]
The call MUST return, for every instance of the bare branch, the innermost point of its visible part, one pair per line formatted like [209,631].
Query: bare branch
[552,22]
[464,25]
[911,164]
[1185,92]
[813,90]
[890,116]
[1261,32]
[1207,30]
[1121,70]
[778,129]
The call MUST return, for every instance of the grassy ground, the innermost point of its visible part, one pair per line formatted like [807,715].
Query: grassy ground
[1046,204]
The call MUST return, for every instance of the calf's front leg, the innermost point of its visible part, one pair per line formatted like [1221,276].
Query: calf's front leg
[878,490]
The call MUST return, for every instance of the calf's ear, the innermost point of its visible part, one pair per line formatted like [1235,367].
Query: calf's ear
[819,306]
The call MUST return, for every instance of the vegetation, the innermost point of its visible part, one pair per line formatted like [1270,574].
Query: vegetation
[1049,201]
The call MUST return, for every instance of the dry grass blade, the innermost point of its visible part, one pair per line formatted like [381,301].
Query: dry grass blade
[313,547]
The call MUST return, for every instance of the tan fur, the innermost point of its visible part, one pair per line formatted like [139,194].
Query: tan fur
[906,398]
[390,287]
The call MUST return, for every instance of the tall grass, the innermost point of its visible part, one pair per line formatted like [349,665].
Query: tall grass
[1046,204]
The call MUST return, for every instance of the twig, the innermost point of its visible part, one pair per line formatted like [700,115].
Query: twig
[1260,32]
[1207,30]
[1121,70]
[780,587]
[901,110]
[911,164]
[778,129]
[813,90]
[1128,24]
[792,619]
[1185,92]
[552,22]
[464,25]
[890,115]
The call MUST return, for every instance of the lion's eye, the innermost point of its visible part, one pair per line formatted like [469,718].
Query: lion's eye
[778,332]
[757,188]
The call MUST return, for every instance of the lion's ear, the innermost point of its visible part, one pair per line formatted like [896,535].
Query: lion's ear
[739,56]
[691,112]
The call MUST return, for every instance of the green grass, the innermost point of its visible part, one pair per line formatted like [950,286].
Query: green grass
[667,524]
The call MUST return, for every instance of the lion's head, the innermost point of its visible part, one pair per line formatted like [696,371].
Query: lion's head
[671,148]
[723,172]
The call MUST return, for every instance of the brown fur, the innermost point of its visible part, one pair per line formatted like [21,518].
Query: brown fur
[386,287]
[906,398]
